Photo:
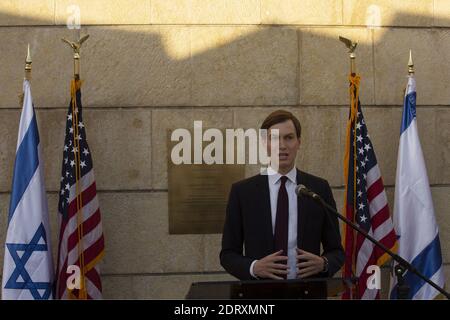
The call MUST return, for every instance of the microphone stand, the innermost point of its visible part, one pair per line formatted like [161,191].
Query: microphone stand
[400,268]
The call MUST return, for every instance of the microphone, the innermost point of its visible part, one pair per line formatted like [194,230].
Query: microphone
[402,266]
[301,190]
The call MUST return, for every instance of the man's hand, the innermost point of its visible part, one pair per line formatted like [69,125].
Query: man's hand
[269,266]
[308,264]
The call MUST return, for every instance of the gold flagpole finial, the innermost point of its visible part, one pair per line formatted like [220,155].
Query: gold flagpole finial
[76,46]
[27,74]
[410,64]
[28,62]
[351,50]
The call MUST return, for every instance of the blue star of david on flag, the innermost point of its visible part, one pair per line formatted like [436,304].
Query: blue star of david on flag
[20,271]
[28,263]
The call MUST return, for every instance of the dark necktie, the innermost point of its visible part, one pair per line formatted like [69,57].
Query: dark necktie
[282,218]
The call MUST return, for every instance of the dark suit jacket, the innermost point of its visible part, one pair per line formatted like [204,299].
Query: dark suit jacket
[248,224]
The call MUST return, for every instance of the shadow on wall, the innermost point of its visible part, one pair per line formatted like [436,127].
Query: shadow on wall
[198,65]
[225,66]
[246,71]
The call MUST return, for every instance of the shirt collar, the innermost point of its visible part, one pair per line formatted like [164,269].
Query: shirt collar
[274,176]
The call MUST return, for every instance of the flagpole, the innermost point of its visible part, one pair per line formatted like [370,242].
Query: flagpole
[28,62]
[402,266]
[351,50]
[76,46]
[29,209]
[410,64]
[354,93]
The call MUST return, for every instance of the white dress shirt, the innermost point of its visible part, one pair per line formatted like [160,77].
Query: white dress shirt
[274,187]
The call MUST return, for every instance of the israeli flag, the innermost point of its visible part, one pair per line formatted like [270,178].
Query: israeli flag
[28,264]
[414,218]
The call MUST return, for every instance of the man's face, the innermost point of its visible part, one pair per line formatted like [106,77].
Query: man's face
[288,143]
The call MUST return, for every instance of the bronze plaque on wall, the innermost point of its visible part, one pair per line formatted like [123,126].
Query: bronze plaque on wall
[198,195]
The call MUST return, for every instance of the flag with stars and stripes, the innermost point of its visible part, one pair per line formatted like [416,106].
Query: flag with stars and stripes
[80,242]
[365,202]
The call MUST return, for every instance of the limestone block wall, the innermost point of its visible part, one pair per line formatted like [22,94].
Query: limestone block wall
[151,65]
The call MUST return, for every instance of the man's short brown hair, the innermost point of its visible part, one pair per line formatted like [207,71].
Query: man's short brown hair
[280,116]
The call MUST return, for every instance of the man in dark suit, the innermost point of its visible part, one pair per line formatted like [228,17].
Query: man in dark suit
[281,234]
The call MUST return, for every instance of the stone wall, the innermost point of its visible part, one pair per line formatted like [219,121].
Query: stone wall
[150,65]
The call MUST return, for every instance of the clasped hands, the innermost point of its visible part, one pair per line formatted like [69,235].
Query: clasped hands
[274,266]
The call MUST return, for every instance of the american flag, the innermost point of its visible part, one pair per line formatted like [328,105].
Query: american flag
[365,202]
[81,241]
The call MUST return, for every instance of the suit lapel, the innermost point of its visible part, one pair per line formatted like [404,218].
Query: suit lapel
[302,212]
[265,209]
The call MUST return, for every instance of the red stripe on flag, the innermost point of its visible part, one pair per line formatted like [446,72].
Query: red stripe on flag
[88,226]
[376,221]
[362,284]
[93,251]
[380,217]
[94,277]
[89,254]
[388,241]
[87,196]
[375,189]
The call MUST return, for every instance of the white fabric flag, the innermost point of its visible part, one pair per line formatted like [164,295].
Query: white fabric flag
[414,218]
[28,265]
